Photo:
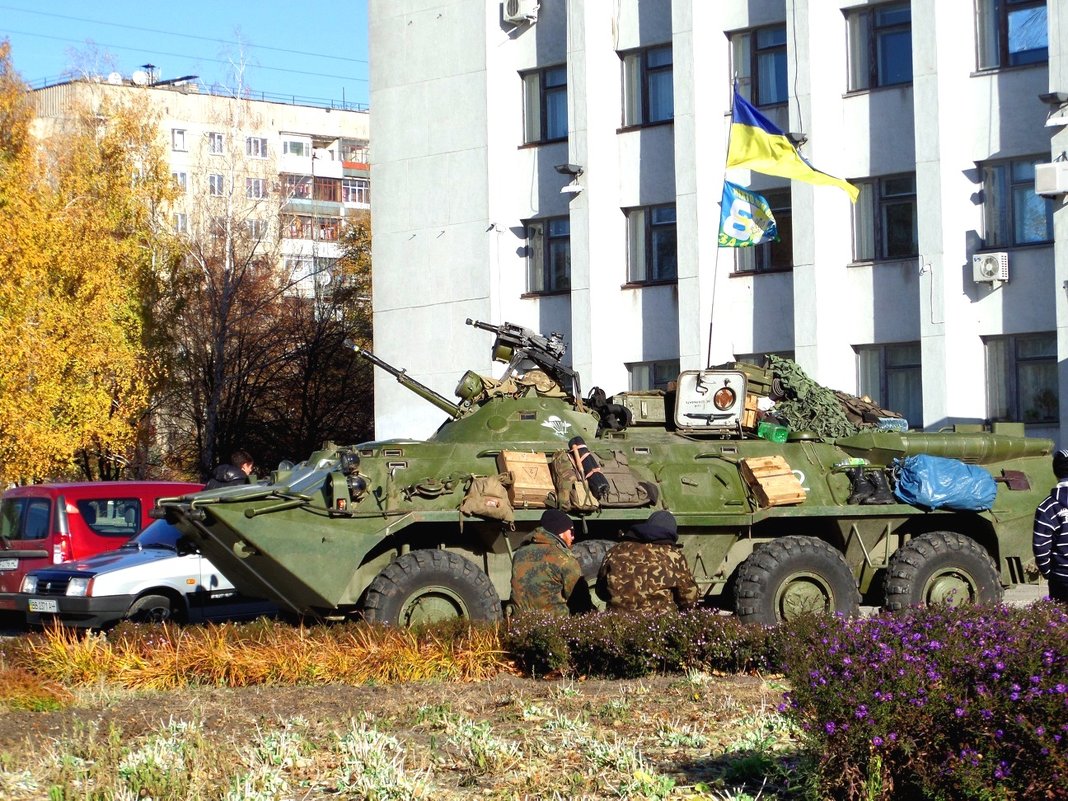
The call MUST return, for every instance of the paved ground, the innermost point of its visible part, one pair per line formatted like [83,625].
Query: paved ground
[1025,593]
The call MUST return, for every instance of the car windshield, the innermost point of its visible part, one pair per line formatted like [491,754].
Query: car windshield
[160,534]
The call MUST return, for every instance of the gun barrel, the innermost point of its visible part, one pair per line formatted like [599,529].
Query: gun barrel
[485,326]
[405,380]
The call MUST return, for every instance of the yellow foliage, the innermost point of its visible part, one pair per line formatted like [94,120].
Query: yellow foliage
[77,219]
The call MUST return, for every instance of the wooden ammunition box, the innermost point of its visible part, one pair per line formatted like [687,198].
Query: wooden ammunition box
[749,414]
[772,481]
[531,479]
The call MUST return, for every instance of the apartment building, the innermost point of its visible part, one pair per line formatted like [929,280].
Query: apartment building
[560,164]
[288,172]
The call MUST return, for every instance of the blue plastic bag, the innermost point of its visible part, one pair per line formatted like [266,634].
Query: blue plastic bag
[935,482]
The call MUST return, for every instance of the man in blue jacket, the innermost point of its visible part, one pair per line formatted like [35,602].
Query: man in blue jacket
[1050,540]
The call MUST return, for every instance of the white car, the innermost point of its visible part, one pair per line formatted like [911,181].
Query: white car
[158,575]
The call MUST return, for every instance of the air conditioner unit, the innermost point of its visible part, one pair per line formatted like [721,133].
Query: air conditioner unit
[1051,179]
[521,12]
[990,267]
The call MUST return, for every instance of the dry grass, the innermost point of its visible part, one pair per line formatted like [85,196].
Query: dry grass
[266,653]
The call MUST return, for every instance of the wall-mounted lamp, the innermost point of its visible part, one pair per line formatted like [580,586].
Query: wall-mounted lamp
[1058,108]
[797,138]
[574,170]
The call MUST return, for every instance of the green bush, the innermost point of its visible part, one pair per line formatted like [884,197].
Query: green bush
[621,646]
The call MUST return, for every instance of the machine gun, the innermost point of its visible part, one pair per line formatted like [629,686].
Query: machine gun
[422,390]
[514,344]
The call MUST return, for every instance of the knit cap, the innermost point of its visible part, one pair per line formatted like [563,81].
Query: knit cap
[556,522]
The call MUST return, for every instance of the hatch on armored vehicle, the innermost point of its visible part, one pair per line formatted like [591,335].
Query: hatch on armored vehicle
[773,526]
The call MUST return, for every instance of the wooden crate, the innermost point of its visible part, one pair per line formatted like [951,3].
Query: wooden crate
[749,413]
[772,481]
[531,479]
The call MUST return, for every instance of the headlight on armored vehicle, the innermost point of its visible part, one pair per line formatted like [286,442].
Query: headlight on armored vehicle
[78,587]
[724,398]
[29,583]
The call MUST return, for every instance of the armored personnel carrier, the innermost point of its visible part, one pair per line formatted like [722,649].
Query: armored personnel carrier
[773,522]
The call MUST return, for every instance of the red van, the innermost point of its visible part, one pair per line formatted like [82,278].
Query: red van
[45,524]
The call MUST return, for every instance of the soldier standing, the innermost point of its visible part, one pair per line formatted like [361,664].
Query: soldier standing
[647,571]
[546,577]
[1050,539]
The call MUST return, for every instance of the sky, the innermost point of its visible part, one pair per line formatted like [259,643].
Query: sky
[305,51]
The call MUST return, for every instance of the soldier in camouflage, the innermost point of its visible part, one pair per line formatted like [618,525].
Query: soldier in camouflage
[546,577]
[647,572]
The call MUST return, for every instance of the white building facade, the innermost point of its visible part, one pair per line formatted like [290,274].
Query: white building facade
[560,165]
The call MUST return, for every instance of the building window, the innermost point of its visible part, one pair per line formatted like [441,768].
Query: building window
[759,65]
[1015,215]
[328,189]
[356,190]
[298,186]
[328,229]
[892,377]
[217,227]
[1012,33]
[181,180]
[653,244]
[296,147]
[181,223]
[880,46]
[771,256]
[549,255]
[215,185]
[178,139]
[300,227]
[647,86]
[354,151]
[1021,378]
[215,143]
[884,219]
[256,229]
[255,188]
[545,105]
[645,376]
[256,147]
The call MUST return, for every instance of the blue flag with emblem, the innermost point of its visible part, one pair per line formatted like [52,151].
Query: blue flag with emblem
[745,218]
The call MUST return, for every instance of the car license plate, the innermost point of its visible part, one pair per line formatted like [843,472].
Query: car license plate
[9,564]
[43,605]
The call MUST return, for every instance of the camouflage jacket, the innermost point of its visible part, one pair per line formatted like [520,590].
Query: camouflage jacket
[646,576]
[544,574]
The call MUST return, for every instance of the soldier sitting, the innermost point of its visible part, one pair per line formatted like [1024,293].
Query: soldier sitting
[546,577]
[647,571]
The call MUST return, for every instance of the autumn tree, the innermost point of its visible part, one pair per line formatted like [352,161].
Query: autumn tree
[78,214]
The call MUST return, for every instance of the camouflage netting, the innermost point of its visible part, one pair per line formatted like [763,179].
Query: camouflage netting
[811,407]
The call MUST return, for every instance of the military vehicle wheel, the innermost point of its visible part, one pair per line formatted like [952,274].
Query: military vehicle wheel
[941,568]
[151,609]
[430,585]
[789,577]
[590,554]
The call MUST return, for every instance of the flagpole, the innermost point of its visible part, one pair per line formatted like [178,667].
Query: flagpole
[715,261]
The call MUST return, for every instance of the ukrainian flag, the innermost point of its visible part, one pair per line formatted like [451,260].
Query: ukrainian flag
[757,144]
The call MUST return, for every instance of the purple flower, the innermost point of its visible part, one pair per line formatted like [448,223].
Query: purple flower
[877,741]
[829,727]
